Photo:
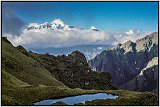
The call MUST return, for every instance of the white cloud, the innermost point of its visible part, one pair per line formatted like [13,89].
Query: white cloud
[130,32]
[59,38]
[41,38]
[132,35]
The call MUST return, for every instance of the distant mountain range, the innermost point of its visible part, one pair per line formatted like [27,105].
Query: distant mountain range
[56,24]
[90,51]
[133,66]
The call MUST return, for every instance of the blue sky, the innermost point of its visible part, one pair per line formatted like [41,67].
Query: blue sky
[103,15]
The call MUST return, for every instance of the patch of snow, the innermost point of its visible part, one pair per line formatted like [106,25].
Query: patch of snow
[93,28]
[100,48]
[150,64]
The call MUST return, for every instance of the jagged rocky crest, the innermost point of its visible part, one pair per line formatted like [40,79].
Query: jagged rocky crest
[125,61]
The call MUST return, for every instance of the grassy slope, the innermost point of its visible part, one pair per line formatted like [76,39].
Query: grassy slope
[74,71]
[127,98]
[25,68]
[25,81]
[124,98]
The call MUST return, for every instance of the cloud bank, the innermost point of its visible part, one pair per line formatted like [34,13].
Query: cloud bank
[59,38]
[132,35]
[42,38]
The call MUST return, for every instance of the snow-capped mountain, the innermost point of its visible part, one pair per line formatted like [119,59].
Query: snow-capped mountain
[56,24]
[94,28]
[90,51]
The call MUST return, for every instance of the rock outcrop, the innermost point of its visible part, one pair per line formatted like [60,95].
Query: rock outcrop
[147,80]
[126,61]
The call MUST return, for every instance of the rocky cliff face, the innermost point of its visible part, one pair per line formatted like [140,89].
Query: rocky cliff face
[126,61]
[147,80]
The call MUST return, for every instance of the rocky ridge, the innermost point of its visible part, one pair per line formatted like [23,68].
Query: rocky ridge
[126,61]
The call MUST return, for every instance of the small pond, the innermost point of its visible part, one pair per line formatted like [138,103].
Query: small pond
[77,99]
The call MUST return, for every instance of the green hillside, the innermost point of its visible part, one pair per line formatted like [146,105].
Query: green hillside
[24,80]
[73,70]
[25,68]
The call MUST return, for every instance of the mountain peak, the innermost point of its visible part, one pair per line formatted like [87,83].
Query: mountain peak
[94,28]
[58,22]
[128,43]
[147,42]
[77,53]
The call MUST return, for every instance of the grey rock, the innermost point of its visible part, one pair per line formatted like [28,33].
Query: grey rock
[147,80]
[125,61]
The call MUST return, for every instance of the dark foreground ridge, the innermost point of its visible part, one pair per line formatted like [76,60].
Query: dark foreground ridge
[73,70]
